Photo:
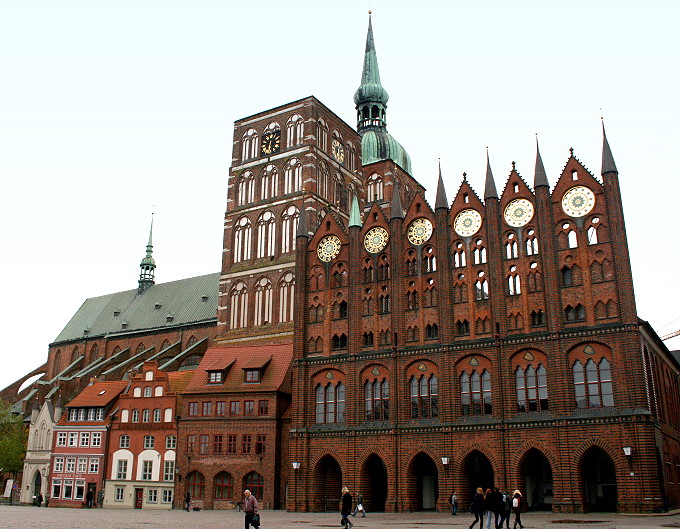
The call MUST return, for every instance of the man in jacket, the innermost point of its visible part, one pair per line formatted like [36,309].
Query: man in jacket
[250,508]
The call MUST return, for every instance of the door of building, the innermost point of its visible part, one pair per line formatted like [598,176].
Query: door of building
[139,498]
[92,487]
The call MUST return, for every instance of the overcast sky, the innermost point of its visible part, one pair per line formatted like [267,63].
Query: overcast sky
[111,110]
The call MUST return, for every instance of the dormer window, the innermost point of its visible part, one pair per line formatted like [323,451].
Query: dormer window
[252,376]
[215,377]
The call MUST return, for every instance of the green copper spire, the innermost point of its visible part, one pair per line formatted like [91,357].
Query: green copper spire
[354,215]
[147,266]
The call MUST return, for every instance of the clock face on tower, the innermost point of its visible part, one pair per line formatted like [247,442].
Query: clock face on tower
[329,248]
[578,201]
[419,231]
[271,142]
[376,239]
[519,212]
[338,151]
[467,222]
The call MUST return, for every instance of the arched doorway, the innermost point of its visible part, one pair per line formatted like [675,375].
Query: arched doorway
[374,483]
[477,472]
[423,484]
[37,483]
[598,476]
[538,481]
[327,485]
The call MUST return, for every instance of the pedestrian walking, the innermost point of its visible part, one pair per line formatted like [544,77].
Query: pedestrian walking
[488,507]
[517,509]
[187,502]
[89,497]
[454,503]
[477,508]
[250,507]
[360,507]
[39,499]
[505,509]
[346,508]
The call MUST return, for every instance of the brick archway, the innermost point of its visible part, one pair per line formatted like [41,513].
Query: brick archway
[327,484]
[373,483]
[536,480]
[422,485]
[597,473]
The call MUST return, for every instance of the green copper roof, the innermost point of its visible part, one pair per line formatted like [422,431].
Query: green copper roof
[377,145]
[370,90]
[354,215]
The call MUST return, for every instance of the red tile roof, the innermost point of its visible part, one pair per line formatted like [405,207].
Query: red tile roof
[98,394]
[276,357]
[178,380]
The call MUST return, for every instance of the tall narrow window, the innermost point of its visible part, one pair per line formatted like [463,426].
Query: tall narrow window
[289,225]
[242,240]
[263,302]
[286,298]
[532,388]
[294,131]
[475,393]
[593,385]
[239,306]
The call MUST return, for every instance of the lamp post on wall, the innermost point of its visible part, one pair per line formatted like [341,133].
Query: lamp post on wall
[296,469]
[628,452]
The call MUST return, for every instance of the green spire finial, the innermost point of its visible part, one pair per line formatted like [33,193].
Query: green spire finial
[354,215]
[370,98]
[148,265]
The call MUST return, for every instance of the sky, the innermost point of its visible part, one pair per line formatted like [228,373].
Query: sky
[112,111]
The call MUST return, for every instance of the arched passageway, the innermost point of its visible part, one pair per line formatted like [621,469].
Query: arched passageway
[327,485]
[476,472]
[373,486]
[423,484]
[536,471]
[598,476]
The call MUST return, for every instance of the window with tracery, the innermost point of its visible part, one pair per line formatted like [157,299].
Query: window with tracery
[266,235]
[242,239]
[245,191]
[531,243]
[475,393]
[238,304]
[292,176]
[424,391]
[374,188]
[531,385]
[514,284]
[479,253]
[431,331]
[295,128]
[481,289]
[593,384]
[289,226]
[511,249]
[377,399]
[429,260]
[250,145]
[263,302]
[196,485]
[459,255]
[330,403]
[322,134]
[577,313]
[287,298]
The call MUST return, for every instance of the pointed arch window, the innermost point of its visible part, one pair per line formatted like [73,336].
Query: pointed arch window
[424,393]
[431,331]
[511,249]
[289,226]
[223,486]
[263,302]
[531,386]
[463,328]
[429,260]
[384,303]
[266,235]
[250,145]
[323,177]
[375,188]
[269,182]
[292,176]
[514,283]
[196,485]
[368,271]
[238,304]
[322,134]
[254,482]
[459,255]
[412,300]
[330,403]
[593,384]
[577,313]
[481,289]
[245,192]
[383,269]
[295,128]
[479,253]
[531,242]
[475,393]
[242,239]
[572,240]
[351,156]
[377,398]
[431,297]
[287,298]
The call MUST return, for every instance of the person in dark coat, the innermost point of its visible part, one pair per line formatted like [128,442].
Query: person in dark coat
[359,507]
[517,509]
[346,509]
[477,508]
[250,507]
[187,502]
[505,509]
[89,497]
[488,507]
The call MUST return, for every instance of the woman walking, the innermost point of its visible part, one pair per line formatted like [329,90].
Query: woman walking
[477,508]
[346,508]
[517,509]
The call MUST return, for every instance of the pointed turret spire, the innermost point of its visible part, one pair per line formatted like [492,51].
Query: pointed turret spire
[490,187]
[441,201]
[370,98]
[397,211]
[302,230]
[147,266]
[608,165]
[354,215]
[540,178]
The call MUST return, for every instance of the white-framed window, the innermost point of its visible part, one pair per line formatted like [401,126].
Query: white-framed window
[96,439]
[135,415]
[149,441]
[263,302]
[67,494]
[289,226]
[158,391]
[292,176]
[167,496]
[91,414]
[82,465]
[242,236]
[84,438]
[152,496]
[157,415]
[375,188]
[294,130]
[121,470]
[266,234]
[80,490]
[171,442]
[81,414]
[137,392]
[58,464]
[250,144]
[70,464]
[73,439]
[73,414]
[124,441]
[147,391]
[239,306]
[146,415]
[56,489]
[125,416]
[61,439]
[246,189]
[100,414]
[286,295]
[167,416]
[168,471]
[147,470]
[94,465]
[120,494]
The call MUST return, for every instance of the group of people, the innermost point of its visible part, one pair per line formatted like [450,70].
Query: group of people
[495,505]
[346,508]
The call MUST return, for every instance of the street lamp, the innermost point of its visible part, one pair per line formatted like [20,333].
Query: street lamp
[628,451]
[296,469]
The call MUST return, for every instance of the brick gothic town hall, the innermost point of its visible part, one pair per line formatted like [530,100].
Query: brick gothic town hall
[364,337]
